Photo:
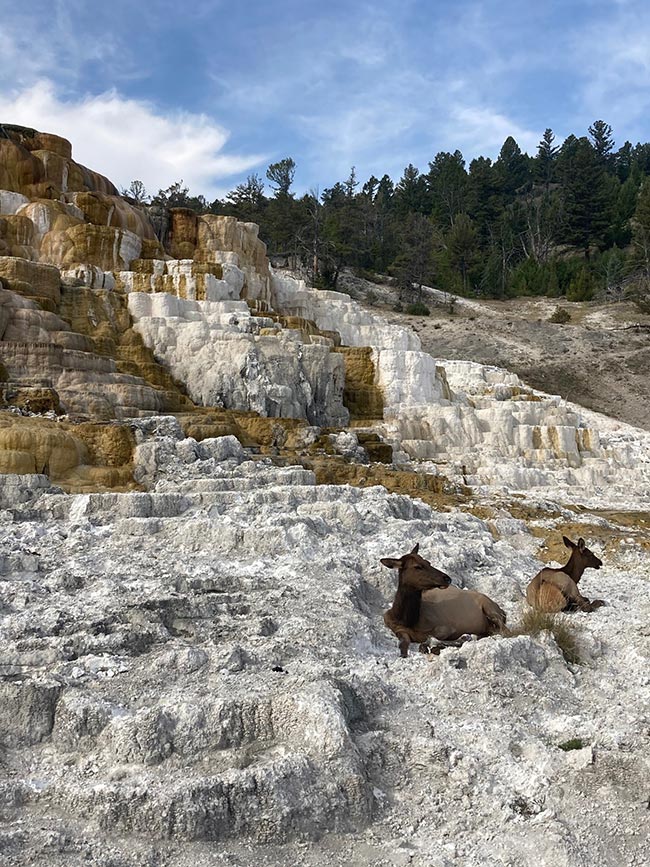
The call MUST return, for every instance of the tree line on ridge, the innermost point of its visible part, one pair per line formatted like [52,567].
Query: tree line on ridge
[573,220]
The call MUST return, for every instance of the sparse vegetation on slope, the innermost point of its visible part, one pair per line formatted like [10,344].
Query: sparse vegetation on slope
[533,622]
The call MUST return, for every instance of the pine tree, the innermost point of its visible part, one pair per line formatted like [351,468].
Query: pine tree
[581,287]
[546,159]
[623,161]
[414,265]
[588,202]
[351,183]
[281,174]
[461,242]
[137,192]
[247,199]
[447,183]
[483,202]
[410,192]
[625,199]
[641,230]
[564,161]
[603,142]
[511,170]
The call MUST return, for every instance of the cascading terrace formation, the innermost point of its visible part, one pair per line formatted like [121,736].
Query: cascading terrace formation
[103,320]
[193,662]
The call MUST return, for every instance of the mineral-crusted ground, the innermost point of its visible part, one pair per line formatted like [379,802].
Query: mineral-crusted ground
[201,672]
[193,660]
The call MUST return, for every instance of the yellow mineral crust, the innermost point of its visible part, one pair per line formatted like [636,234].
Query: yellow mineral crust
[20,171]
[17,234]
[105,247]
[41,165]
[34,280]
[88,456]
[362,395]
[103,210]
[87,357]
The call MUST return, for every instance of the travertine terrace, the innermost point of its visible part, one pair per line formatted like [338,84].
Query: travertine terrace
[193,660]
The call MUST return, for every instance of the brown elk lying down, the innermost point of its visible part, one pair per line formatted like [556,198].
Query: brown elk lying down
[554,590]
[425,606]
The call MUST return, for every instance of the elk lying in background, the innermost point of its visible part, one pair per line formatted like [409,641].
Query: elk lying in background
[425,606]
[554,590]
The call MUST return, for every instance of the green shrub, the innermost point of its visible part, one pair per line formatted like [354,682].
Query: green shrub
[533,622]
[560,316]
[572,744]
[532,278]
[418,309]
[367,274]
[581,288]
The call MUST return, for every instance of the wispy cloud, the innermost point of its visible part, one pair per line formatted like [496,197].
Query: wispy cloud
[127,139]
[380,86]
[612,57]
[483,130]
[53,39]
[376,84]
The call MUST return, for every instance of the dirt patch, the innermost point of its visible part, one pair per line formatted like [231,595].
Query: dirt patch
[624,527]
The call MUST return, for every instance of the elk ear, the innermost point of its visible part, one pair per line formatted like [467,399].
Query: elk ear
[581,545]
[390,562]
[568,542]
[416,549]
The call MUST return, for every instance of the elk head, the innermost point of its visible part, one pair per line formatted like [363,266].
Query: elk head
[416,573]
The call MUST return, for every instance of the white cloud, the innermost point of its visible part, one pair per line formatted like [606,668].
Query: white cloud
[126,139]
[483,131]
[611,62]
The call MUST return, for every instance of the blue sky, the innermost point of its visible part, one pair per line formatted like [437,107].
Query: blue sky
[214,90]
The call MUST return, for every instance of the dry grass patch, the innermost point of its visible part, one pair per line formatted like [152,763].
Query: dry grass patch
[533,622]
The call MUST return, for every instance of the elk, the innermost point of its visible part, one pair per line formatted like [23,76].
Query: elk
[425,606]
[553,590]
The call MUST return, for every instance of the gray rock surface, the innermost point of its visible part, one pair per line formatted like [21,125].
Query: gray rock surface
[200,673]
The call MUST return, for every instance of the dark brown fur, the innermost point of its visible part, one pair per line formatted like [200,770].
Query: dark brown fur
[414,575]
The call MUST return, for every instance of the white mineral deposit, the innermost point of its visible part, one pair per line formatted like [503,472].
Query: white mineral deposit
[196,670]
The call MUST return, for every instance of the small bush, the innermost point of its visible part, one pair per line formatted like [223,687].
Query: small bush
[533,622]
[418,309]
[560,316]
[581,288]
[371,297]
[522,807]
[398,307]
[366,274]
[572,744]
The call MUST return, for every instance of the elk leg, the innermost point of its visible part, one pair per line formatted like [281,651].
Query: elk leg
[404,642]
[583,604]
[442,644]
[569,589]
[591,606]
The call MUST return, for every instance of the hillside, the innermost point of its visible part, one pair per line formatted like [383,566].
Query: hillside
[598,359]
[202,463]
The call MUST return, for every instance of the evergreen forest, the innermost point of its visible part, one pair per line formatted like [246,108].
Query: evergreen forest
[573,220]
